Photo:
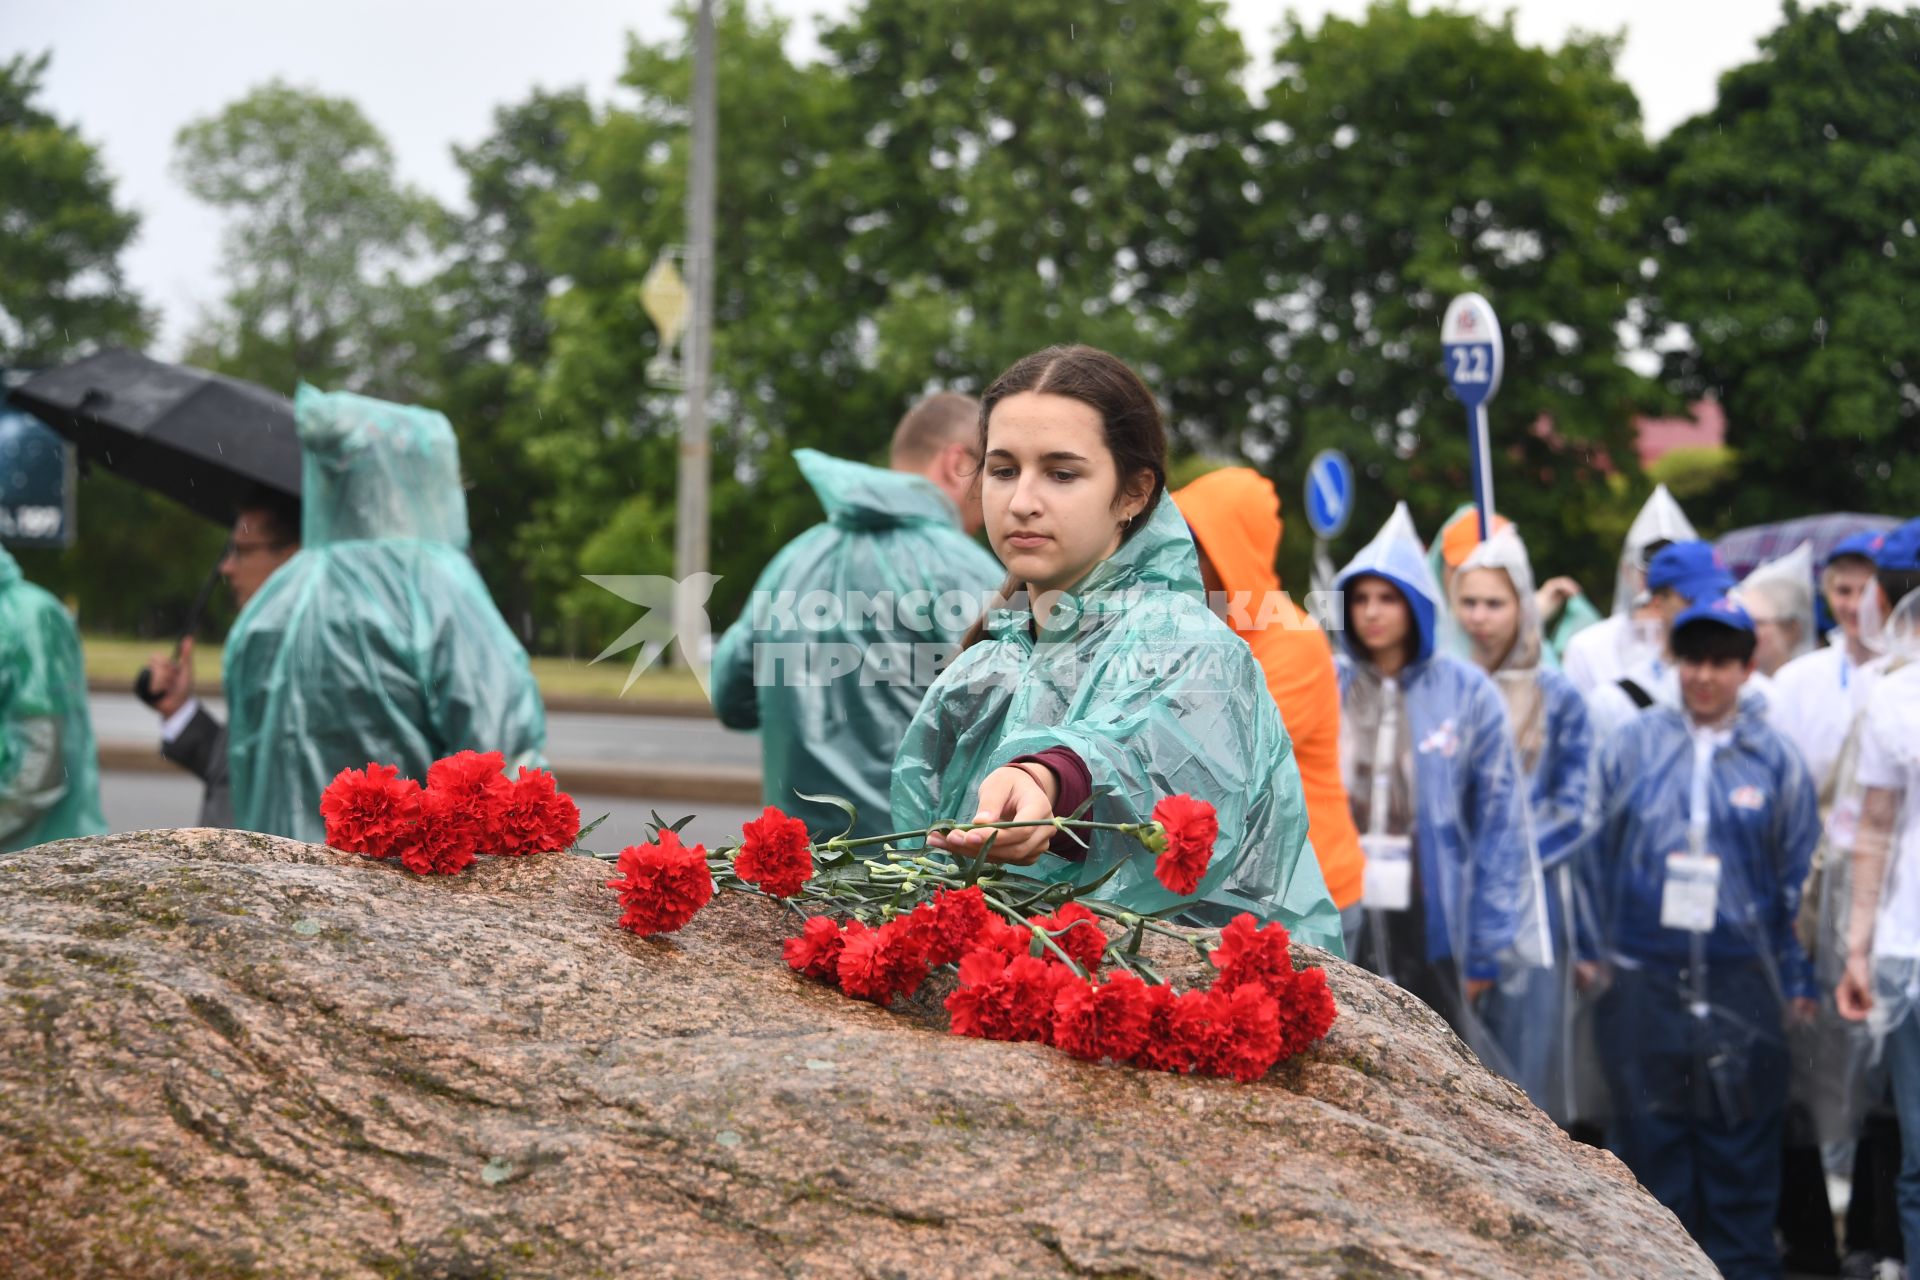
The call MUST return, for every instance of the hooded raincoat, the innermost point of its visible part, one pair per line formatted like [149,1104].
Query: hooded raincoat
[1159,698]
[1437,788]
[1603,653]
[377,641]
[1235,517]
[49,771]
[832,690]
[1532,1016]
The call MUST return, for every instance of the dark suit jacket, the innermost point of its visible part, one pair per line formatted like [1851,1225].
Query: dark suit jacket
[201,748]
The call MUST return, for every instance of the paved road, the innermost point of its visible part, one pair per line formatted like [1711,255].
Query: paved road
[141,801]
[571,736]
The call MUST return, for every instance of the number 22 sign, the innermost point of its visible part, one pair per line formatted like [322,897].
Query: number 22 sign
[1470,340]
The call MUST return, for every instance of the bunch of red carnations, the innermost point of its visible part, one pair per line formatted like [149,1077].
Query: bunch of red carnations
[1035,978]
[467,807]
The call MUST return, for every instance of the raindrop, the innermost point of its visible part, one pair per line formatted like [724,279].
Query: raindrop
[1832,133]
[495,1172]
[306,928]
[727,1138]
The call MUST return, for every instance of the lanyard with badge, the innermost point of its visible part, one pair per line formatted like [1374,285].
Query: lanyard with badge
[1387,882]
[1690,898]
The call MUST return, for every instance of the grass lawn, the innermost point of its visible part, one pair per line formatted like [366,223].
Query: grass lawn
[116,660]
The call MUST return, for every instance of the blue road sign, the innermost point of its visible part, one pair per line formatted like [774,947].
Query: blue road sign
[1475,357]
[1329,493]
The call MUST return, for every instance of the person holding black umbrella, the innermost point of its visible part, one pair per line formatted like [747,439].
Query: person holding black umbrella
[377,642]
[266,534]
[49,770]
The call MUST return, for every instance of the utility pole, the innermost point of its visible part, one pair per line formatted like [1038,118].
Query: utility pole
[690,523]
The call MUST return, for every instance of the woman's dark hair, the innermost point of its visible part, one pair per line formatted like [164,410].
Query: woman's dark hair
[1705,640]
[1135,432]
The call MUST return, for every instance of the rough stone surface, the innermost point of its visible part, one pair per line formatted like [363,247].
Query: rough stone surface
[231,1055]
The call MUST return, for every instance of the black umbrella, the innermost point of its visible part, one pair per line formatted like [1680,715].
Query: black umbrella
[201,439]
[196,437]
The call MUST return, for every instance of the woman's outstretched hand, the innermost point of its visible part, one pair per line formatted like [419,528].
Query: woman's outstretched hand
[1011,793]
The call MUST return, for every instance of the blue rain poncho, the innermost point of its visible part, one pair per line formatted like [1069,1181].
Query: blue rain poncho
[846,628]
[49,771]
[1531,1017]
[1438,794]
[1475,855]
[1159,698]
[378,640]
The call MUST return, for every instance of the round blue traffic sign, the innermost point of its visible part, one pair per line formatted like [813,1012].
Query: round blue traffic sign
[1470,343]
[1329,493]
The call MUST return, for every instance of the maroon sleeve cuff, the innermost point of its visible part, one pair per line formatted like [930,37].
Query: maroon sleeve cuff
[1076,784]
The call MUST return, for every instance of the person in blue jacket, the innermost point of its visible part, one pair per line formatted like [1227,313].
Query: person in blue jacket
[1493,600]
[853,619]
[1452,887]
[1706,825]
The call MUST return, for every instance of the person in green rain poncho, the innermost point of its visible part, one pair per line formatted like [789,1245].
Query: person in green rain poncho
[1104,674]
[49,773]
[378,641]
[849,623]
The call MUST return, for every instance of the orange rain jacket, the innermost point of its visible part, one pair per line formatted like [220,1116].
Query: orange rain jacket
[1235,517]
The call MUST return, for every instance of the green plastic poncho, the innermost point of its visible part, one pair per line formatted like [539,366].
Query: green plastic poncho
[846,628]
[378,640]
[1159,698]
[49,771]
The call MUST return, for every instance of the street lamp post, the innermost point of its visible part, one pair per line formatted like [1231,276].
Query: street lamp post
[691,519]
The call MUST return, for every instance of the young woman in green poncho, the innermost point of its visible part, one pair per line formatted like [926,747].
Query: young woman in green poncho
[1101,672]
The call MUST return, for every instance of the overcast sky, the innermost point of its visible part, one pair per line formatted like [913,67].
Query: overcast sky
[430,72]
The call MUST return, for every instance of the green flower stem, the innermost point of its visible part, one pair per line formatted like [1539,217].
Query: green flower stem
[1046,938]
[1140,967]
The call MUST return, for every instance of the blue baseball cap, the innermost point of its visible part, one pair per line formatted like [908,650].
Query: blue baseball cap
[1863,544]
[1899,548]
[1691,568]
[1722,611]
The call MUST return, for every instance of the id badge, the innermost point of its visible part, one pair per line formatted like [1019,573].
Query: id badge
[1387,883]
[1692,892]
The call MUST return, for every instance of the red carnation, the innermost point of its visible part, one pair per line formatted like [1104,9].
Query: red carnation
[478,788]
[1306,1012]
[878,964]
[661,885]
[1234,1033]
[440,842]
[1191,828]
[1164,1049]
[532,815]
[1083,939]
[1105,1021]
[370,811]
[1254,954]
[1001,999]
[998,934]
[816,952]
[774,854]
[948,925]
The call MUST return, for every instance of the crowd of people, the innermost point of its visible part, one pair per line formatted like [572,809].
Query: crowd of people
[1657,867]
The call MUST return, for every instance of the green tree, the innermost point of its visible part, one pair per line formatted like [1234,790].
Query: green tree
[137,558]
[324,249]
[494,292]
[1789,250]
[62,290]
[1024,172]
[1412,157]
[786,339]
